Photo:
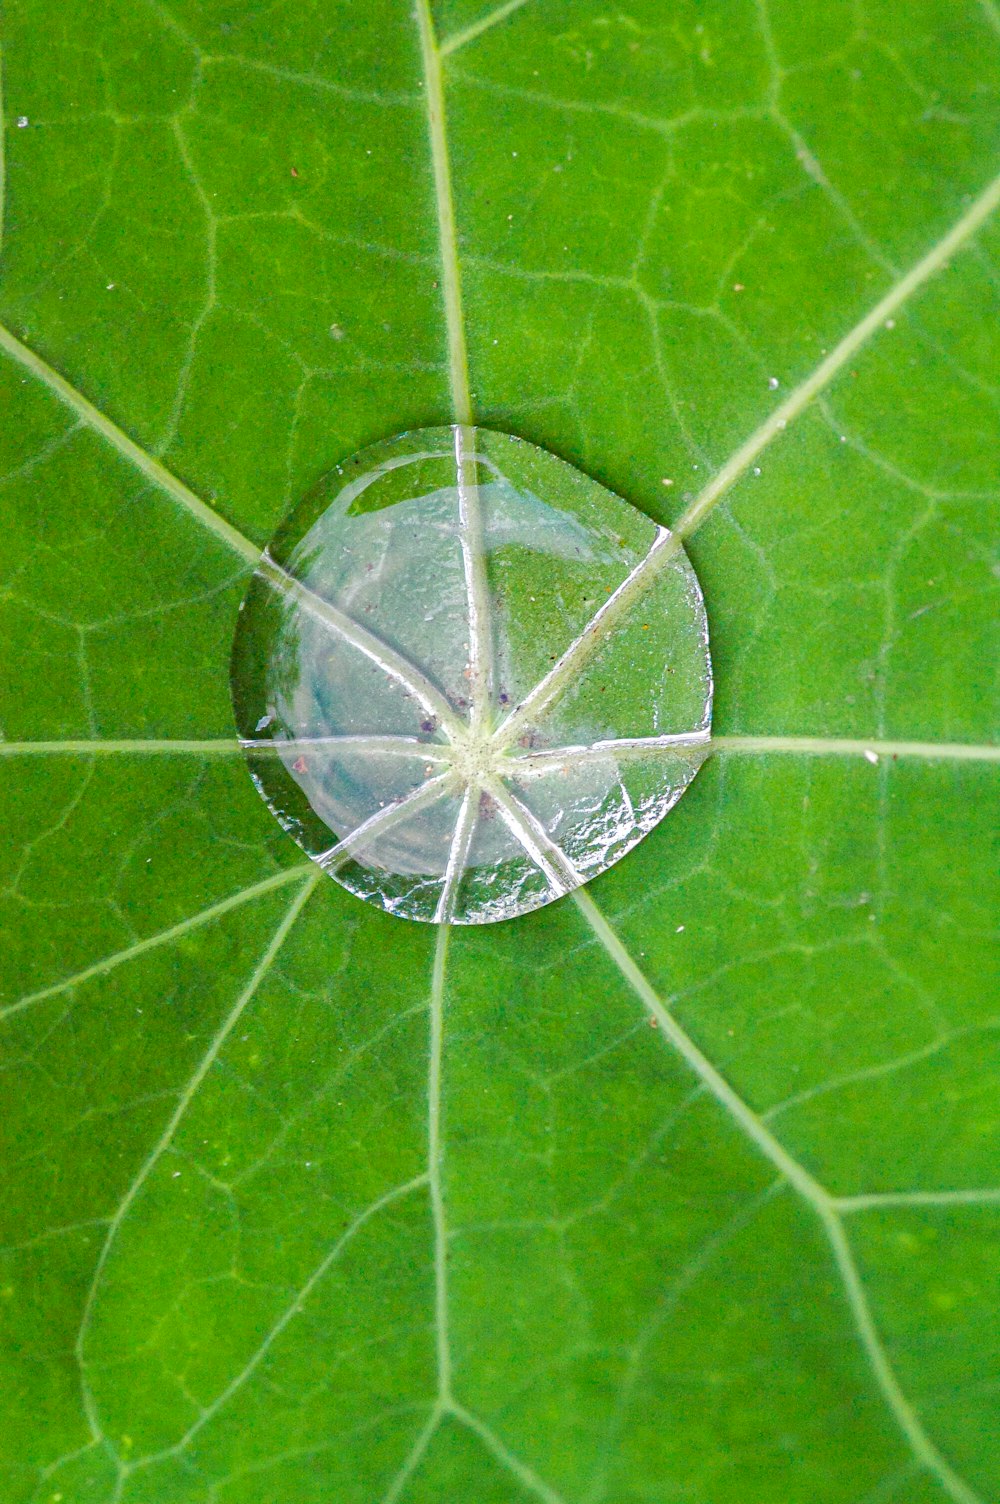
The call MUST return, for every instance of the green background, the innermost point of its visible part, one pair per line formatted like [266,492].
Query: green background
[280,1222]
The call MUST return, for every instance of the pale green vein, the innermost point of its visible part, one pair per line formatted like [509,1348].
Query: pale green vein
[477,589]
[689,744]
[451,278]
[534,841]
[311,1454]
[220,746]
[667,542]
[924,1450]
[395,665]
[445,1403]
[458,855]
[435,1153]
[151,468]
[91,747]
[486,23]
[989,1196]
[183,1103]
[936,258]
[865,1074]
[550,859]
[699,1063]
[828,746]
[291,1310]
[414,1457]
[812,1192]
[518,1469]
[359,842]
[310,81]
[163,937]
[353,746]
[526,763]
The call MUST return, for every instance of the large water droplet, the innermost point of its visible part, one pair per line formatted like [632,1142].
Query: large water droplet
[468,678]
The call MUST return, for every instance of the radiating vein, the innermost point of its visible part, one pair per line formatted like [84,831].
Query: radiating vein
[936,258]
[708,498]
[384,820]
[164,937]
[393,664]
[414,1457]
[151,468]
[435,1156]
[555,759]
[812,1192]
[458,855]
[521,764]
[367,746]
[473,545]
[828,746]
[667,544]
[451,277]
[906,1417]
[508,1459]
[567,667]
[988,1196]
[716,1083]
[183,1103]
[550,860]
[486,23]
[224,746]
[470,518]
[219,746]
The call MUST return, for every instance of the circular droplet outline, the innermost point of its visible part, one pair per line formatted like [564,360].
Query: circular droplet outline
[472,761]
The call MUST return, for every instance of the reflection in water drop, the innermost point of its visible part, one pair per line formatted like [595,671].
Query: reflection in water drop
[468,678]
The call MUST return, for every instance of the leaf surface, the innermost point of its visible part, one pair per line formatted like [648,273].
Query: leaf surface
[684,1188]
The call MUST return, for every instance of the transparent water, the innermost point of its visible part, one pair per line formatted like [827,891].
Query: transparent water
[468,678]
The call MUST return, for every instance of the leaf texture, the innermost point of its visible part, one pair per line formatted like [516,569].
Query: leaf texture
[686,1187]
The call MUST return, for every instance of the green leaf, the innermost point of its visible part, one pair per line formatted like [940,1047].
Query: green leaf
[683,1188]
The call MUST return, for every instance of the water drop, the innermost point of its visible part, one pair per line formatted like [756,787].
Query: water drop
[468,678]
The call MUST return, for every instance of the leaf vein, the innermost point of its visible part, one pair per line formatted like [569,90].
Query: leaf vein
[151,468]
[184,1101]
[812,1192]
[163,937]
